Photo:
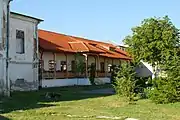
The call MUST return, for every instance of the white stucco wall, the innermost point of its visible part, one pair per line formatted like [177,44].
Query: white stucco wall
[1,16]
[29,29]
[58,58]
[72,82]
[70,58]
[1,70]
[108,61]
[65,82]
[91,59]
[100,81]
[144,70]
[3,6]
[21,65]
[46,57]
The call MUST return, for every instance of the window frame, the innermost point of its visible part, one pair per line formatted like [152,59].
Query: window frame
[51,65]
[62,65]
[22,38]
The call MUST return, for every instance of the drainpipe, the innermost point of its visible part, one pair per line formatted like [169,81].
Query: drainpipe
[37,59]
[7,53]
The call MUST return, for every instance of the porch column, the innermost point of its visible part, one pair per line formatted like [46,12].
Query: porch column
[105,67]
[86,62]
[98,65]
[95,66]
[42,68]
[66,66]
[54,58]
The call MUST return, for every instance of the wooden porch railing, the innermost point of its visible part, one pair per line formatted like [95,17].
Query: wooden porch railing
[63,75]
[101,74]
[60,75]
[48,75]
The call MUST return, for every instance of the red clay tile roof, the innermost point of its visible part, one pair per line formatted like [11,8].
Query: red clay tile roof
[93,48]
[57,42]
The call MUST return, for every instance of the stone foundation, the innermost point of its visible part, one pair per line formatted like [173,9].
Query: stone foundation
[23,85]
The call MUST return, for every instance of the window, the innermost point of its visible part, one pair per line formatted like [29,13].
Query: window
[102,67]
[109,67]
[20,42]
[52,65]
[112,49]
[63,66]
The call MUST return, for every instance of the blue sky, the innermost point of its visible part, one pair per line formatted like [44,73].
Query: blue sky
[101,20]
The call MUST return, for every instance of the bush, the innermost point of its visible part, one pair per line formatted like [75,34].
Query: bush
[92,74]
[164,91]
[142,84]
[115,70]
[125,82]
[167,89]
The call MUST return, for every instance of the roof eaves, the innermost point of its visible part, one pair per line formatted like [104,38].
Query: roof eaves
[15,13]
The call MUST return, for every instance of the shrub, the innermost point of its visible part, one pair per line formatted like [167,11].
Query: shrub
[92,73]
[125,82]
[166,89]
[115,70]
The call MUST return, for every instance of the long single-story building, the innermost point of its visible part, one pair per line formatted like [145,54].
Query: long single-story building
[59,53]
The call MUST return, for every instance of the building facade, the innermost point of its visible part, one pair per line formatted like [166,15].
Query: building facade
[60,55]
[23,52]
[21,74]
[3,33]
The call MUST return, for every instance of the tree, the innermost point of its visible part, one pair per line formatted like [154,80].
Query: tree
[79,65]
[152,41]
[92,70]
[167,89]
[157,42]
[125,82]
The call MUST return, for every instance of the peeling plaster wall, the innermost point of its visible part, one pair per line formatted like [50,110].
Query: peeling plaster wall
[3,10]
[23,72]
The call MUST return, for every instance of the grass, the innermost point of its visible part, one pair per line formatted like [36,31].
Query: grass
[74,105]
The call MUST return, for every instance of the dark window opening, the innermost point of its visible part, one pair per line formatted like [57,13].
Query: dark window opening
[52,65]
[63,66]
[20,49]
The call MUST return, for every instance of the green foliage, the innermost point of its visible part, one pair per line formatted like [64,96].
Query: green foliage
[80,63]
[151,39]
[167,89]
[125,82]
[92,73]
[114,72]
[157,42]
[164,92]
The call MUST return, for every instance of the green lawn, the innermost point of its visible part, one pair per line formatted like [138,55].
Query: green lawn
[74,105]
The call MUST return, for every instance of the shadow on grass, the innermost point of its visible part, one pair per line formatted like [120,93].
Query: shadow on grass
[4,118]
[37,99]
